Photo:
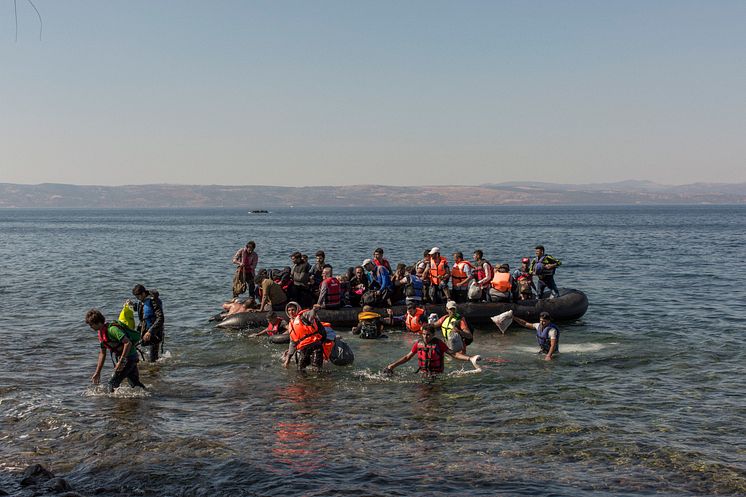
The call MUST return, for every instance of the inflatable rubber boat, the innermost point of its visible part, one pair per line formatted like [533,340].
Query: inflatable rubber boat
[570,305]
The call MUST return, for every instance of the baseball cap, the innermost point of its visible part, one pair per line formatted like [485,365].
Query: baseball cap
[525,259]
[434,250]
[451,304]
[366,262]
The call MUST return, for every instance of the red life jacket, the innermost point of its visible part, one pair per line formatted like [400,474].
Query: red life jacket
[459,272]
[103,336]
[414,323]
[501,282]
[333,291]
[438,269]
[429,357]
[383,262]
[480,270]
[303,334]
[273,329]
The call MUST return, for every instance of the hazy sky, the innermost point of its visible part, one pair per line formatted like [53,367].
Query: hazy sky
[347,92]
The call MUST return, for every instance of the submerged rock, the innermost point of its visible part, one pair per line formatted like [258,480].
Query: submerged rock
[58,485]
[36,474]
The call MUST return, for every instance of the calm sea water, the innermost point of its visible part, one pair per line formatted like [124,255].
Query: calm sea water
[647,397]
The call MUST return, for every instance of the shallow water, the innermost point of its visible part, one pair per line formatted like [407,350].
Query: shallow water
[647,396]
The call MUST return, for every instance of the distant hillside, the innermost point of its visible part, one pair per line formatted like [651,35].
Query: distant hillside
[266,197]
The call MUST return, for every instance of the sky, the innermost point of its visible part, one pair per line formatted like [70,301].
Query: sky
[321,92]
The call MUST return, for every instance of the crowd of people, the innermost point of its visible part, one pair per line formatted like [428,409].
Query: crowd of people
[302,289]
[376,283]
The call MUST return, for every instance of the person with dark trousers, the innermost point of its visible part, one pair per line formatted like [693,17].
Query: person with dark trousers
[116,338]
[150,313]
[543,267]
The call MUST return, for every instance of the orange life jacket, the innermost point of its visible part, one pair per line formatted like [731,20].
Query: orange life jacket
[437,270]
[501,281]
[414,323]
[302,334]
[460,272]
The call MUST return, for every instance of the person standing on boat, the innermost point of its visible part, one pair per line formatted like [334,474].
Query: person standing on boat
[330,290]
[246,259]
[543,267]
[484,273]
[430,352]
[462,274]
[547,334]
[301,274]
[419,268]
[317,272]
[439,274]
[524,282]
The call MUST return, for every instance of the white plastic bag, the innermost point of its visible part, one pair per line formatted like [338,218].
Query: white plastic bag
[474,292]
[503,321]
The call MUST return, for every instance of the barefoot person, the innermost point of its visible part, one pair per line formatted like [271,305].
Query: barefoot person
[430,352]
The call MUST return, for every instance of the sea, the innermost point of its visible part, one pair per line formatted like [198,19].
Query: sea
[647,395]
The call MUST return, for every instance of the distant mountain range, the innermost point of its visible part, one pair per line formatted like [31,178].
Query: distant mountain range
[268,197]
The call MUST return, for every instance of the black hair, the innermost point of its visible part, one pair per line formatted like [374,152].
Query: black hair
[94,316]
[138,289]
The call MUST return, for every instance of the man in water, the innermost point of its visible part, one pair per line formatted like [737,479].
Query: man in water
[413,319]
[114,337]
[547,334]
[544,266]
[307,336]
[275,326]
[455,329]
[150,312]
[430,352]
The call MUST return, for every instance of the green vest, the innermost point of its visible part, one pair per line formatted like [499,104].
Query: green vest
[447,327]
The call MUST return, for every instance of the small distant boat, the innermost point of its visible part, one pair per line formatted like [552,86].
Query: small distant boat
[259,211]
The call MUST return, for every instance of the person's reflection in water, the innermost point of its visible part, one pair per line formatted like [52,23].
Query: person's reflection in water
[297,441]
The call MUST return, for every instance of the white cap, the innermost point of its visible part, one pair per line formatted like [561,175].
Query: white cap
[451,304]
[366,262]
[434,250]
